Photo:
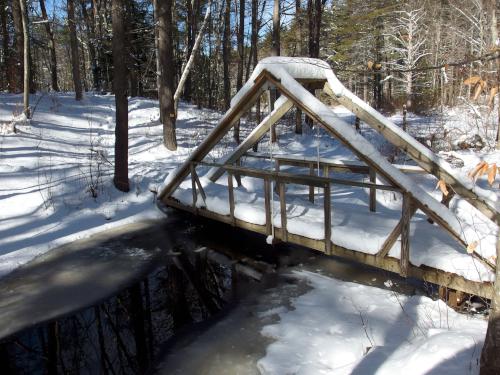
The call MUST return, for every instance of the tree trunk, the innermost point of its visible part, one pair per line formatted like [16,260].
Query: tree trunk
[276,29]
[120,89]
[90,27]
[190,61]
[18,60]
[75,65]
[167,72]
[226,54]
[26,58]
[5,48]
[241,61]
[298,18]
[490,360]
[52,48]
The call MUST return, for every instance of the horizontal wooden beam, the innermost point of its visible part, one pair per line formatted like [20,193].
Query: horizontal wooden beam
[390,264]
[416,152]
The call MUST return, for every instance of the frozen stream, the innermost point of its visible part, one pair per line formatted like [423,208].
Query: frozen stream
[186,296]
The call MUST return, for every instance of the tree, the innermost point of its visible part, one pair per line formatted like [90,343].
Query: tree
[52,47]
[75,65]
[409,48]
[26,60]
[226,45]
[18,59]
[167,72]
[121,101]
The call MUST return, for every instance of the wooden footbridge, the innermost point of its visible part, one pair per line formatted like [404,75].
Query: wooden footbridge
[291,76]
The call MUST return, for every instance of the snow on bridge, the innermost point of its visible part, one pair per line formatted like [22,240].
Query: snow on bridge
[339,222]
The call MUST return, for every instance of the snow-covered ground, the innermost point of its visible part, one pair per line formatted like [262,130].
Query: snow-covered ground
[56,186]
[56,182]
[56,172]
[345,328]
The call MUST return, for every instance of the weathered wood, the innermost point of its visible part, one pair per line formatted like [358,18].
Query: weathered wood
[393,236]
[353,166]
[373,191]
[193,185]
[282,106]
[425,273]
[231,195]
[326,170]
[281,190]
[285,177]
[267,206]
[299,101]
[311,188]
[233,114]
[404,259]
[430,165]
[328,219]
[198,183]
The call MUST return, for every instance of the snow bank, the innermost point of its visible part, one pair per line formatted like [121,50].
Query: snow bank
[346,328]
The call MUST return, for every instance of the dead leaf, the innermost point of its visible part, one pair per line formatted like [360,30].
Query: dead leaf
[472,247]
[442,186]
[492,174]
[478,170]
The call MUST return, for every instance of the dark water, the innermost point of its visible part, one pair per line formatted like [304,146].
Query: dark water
[206,271]
[123,334]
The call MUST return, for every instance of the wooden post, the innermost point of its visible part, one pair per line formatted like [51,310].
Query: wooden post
[326,171]
[267,205]
[281,189]
[373,191]
[193,185]
[311,188]
[231,197]
[298,121]
[404,259]
[237,176]
[328,219]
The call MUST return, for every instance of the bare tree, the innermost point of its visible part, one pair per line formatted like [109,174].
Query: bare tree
[121,100]
[52,47]
[75,64]
[167,72]
[226,45]
[26,54]
[409,46]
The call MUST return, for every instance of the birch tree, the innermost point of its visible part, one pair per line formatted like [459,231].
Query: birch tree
[408,48]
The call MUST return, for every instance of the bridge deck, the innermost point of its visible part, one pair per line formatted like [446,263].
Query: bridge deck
[356,232]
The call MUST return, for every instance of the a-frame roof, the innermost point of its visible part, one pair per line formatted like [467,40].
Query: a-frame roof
[286,74]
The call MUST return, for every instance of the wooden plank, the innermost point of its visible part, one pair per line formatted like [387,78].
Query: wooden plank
[231,196]
[285,177]
[193,185]
[198,183]
[373,191]
[353,166]
[328,219]
[267,206]
[282,106]
[230,118]
[430,165]
[311,188]
[404,259]
[281,190]
[393,236]
[299,102]
[429,274]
